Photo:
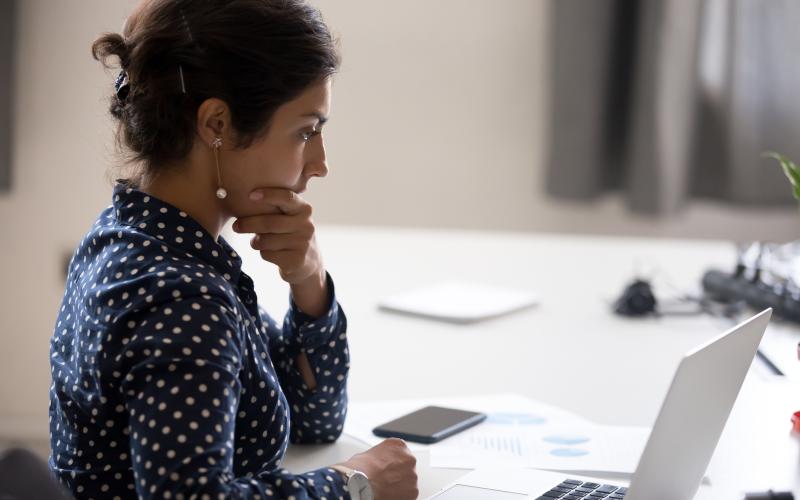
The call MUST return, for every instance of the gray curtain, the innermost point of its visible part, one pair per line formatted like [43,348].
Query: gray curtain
[7,21]
[669,100]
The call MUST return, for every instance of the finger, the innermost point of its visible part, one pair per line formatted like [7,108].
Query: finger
[274,224]
[279,258]
[396,442]
[286,260]
[286,200]
[277,242]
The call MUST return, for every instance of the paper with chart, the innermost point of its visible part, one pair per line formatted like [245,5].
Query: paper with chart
[522,441]
[519,432]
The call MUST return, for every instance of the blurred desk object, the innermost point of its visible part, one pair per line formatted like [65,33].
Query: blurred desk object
[569,351]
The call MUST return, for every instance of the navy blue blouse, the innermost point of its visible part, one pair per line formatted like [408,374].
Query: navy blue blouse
[169,381]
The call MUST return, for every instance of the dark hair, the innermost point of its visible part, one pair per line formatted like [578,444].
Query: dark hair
[253,54]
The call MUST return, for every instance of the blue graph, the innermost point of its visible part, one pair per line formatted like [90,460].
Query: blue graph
[568,452]
[515,419]
[566,439]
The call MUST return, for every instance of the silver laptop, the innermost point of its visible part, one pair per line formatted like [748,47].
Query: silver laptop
[681,443]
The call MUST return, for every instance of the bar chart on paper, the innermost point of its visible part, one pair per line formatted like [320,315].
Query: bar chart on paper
[534,442]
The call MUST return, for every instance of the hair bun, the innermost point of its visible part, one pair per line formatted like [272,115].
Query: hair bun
[111,44]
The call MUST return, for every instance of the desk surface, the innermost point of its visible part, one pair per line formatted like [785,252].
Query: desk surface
[569,351]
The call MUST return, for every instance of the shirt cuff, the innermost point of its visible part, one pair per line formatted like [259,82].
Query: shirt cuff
[311,332]
[334,478]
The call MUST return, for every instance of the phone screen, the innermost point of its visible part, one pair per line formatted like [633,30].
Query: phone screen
[429,424]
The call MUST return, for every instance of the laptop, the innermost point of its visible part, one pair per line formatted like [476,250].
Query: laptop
[680,446]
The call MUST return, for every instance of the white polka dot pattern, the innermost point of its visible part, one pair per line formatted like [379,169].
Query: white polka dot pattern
[169,381]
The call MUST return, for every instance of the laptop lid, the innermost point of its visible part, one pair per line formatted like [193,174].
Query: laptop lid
[694,414]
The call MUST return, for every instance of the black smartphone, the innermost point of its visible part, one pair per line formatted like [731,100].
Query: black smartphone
[430,424]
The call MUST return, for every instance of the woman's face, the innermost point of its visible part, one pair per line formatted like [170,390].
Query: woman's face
[288,156]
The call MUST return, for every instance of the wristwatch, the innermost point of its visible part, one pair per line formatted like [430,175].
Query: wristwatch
[357,482]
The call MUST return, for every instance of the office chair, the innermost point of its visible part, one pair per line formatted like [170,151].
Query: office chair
[25,476]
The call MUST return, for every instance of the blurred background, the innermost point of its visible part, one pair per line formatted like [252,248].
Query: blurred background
[602,117]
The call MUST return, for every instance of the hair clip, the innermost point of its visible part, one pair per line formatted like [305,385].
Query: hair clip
[183,83]
[122,86]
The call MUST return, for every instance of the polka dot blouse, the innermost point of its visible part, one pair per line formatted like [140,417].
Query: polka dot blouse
[169,381]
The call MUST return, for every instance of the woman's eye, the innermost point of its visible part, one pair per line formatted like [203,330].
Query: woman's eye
[309,134]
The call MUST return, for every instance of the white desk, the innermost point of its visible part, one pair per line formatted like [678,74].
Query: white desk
[570,351]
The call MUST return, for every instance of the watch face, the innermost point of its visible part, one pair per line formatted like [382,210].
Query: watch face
[359,486]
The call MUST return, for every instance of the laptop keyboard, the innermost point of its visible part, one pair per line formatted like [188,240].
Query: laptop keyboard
[572,489]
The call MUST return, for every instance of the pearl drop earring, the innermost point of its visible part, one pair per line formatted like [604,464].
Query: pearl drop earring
[221,193]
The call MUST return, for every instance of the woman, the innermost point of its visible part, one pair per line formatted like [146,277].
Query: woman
[168,380]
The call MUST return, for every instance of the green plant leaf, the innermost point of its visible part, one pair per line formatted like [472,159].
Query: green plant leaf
[790,169]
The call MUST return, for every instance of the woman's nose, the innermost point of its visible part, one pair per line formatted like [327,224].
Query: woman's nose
[318,164]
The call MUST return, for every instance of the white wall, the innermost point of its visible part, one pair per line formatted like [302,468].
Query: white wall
[438,120]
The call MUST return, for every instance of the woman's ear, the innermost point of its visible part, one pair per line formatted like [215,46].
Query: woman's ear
[214,120]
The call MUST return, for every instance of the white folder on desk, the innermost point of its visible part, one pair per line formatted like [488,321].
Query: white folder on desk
[459,302]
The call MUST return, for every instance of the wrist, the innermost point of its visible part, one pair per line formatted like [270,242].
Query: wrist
[314,280]
[359,463]
[343,470]
[311,294]
[357,481]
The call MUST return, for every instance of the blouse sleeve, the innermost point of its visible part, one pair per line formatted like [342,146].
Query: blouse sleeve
[178,382]
[317,415]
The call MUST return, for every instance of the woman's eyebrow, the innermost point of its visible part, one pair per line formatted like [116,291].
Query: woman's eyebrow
[321,118]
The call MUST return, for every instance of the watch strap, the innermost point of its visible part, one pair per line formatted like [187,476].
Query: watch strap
[343,470]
